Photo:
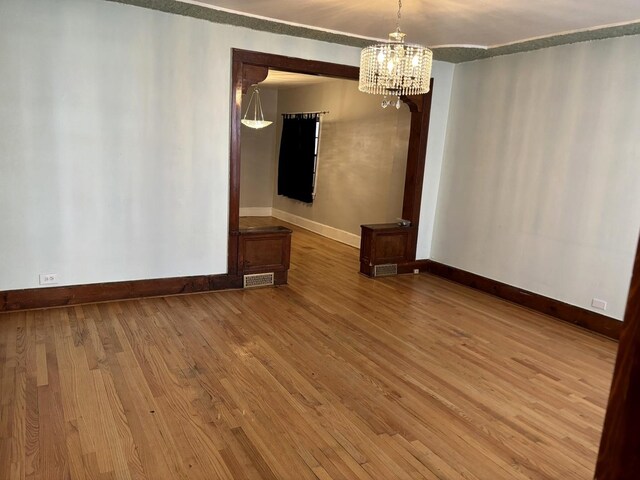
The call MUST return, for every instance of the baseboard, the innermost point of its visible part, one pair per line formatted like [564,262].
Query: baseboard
[30,298]
[593,321]
[256,212]
[319,228]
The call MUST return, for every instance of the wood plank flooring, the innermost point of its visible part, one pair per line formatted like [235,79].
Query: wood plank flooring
[335,376]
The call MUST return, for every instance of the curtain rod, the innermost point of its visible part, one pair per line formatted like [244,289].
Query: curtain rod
[305,113]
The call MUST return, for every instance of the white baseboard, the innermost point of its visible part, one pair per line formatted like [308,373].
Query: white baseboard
[324,230]
[256,212]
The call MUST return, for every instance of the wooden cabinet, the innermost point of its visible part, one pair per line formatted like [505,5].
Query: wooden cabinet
[385,243]
[265,249]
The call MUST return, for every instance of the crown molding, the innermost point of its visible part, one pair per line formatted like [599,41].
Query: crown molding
[451,54]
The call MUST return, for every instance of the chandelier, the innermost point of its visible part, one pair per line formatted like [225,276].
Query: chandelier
[395,68]
[258,120]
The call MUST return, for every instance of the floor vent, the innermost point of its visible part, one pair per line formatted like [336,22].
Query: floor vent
[386,270]
[258,280]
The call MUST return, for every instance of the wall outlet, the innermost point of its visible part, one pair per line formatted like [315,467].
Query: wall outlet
[416,271]
[599,304]
[48,278]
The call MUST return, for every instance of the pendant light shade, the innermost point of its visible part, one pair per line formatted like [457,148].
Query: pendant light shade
[395,68]
[258,120]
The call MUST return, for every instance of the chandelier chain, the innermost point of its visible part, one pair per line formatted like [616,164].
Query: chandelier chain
[399,8]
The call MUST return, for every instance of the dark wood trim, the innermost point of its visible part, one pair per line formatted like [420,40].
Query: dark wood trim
[252,75]
[11,300]
[409,267]
[296,65]
[234,165]
[593,321]
[619,455]
[420,107]
[251,64]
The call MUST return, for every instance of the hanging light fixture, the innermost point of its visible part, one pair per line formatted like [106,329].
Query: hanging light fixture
[395,68]
[258,116]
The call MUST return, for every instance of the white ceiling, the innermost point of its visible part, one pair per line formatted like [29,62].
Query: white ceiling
[444,22]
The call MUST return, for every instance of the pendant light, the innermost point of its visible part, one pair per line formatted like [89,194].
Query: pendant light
[395,68]
[258,120]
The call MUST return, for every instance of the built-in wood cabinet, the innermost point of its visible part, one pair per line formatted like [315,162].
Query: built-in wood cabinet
[385,243]
[265,249]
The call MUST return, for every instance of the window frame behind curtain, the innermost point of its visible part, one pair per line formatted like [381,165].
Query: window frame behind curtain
[299,153]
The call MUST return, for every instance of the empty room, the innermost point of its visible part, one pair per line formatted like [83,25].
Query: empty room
[319,240]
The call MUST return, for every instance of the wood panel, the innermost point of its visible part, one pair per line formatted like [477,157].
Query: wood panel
[334,376]
[252,75]
[385,243]
[264,249]
[619,457]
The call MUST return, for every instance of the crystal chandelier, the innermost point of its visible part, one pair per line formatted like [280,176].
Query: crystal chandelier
[395,68]
[258,120]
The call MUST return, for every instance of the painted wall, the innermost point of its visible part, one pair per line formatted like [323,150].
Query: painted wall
[540,185]
[363,156]
[114,139]
[442,74]
[257,146]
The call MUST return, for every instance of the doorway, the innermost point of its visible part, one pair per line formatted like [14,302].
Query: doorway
[250,68]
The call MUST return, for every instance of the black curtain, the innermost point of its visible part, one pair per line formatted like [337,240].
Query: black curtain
[297,156]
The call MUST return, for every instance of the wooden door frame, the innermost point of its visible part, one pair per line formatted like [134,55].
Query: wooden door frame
[619,454]
[249,67]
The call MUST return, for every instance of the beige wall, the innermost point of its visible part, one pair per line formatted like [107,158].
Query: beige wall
[256,149]
[362,156]
[540,184]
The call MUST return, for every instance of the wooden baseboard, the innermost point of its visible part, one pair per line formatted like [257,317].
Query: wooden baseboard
[31,298]
[593,321]
[12,300]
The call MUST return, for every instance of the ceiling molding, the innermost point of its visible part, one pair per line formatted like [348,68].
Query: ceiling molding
[254,23]
[444,54]
[465,54]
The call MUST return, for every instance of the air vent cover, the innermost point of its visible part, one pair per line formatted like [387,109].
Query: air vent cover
[258,280]
[385,270]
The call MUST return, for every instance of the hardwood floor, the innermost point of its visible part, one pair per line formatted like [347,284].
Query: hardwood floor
[335,376]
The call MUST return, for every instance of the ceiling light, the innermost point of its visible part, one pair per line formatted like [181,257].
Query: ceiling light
[258,120]
[395,68]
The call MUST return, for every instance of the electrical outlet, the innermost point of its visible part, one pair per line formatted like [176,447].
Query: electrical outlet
[599,304]
[416,271]
[48,278]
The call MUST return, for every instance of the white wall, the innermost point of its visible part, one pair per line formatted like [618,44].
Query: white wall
[540,184]
[114,139]
[442,74]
